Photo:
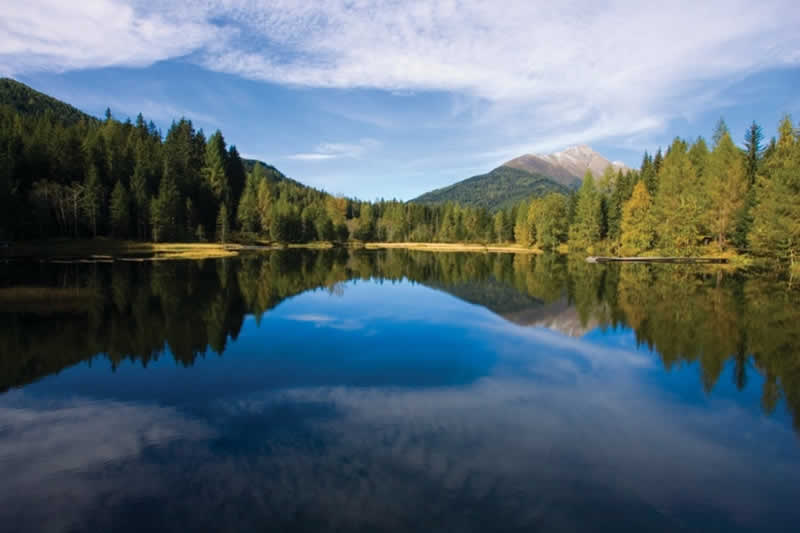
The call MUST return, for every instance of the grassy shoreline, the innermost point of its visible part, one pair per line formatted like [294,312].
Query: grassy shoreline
[105,249]
[452,247]
[102,249]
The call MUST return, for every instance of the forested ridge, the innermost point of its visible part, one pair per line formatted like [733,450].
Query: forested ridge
[63,173]
[501,188]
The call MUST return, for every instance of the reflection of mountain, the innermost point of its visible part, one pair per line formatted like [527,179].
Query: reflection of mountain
[521,309]
[560,316]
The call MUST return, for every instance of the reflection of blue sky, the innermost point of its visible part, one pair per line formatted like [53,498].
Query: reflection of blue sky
[377,403]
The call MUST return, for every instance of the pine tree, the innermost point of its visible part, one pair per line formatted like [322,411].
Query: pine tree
[120,210]
[776,217]
[93,200]
[164,210]
[621,193]
[247,212]
[725,188]
[637,232]
[649,172]
[720,130]
[678,203]
[236,178]
[215,165]
[753,151]
[222,224]
[140,199]
[586,230]
[698,155]
[502,227]
[551,221]
[522,233]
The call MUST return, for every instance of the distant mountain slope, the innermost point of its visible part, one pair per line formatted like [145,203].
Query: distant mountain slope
[522,177]
[500,188]
[28,101]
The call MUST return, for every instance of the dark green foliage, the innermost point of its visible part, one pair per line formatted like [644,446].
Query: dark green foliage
[120,211]
[63,173]
[27,101]
[499,189]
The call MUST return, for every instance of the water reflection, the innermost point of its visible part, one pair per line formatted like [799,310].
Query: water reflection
[375,398]
[136,310]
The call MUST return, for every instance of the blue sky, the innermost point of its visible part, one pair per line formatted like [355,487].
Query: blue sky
[393,98]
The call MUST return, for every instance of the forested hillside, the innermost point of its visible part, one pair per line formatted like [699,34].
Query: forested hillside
[87,177]
[27,101]
[499,189]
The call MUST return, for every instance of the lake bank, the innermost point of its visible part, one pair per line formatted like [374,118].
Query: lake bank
[107,250]
[452,247]
[103,249]
[99,250]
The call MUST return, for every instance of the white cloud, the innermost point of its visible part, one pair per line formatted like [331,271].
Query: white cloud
[337,151]
[59,36]
[530,69]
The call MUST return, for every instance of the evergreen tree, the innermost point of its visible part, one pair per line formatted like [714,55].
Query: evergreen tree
[678,205]
[140,199]
[698,155]
[120,210]
[725,188]
[720,130]
[223,224]
[236,178]
[776,217]
[502,226]
[637,232]
[215,166]
[265,201]
[586,230]
[522,229]
[551,221]
[753,151]
[649,172]
[164,210]
[93,200]
[247,212]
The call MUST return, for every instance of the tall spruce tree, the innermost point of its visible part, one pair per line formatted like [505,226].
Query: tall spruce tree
[586,230]
[120,210]
[725,189]
[637,231]
[776,217]
[678,204]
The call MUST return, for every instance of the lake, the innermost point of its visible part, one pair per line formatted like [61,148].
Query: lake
[394,390]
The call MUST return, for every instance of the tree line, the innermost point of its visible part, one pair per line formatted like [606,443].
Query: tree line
[127,180]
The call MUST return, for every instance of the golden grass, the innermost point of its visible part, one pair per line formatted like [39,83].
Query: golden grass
[451,247]
[102,249]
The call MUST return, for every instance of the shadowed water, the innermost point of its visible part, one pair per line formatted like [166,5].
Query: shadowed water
[397,391]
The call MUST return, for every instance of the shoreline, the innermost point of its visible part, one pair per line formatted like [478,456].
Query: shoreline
[102,249]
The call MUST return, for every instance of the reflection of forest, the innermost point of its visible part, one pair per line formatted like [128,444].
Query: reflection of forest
[54,316]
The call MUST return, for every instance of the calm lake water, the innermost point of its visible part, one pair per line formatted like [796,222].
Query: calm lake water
[397,391]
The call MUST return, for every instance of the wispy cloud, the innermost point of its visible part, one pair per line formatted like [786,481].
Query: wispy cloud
[60,36]
[528,70]
[337,151]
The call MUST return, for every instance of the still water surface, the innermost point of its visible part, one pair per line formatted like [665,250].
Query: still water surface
[397,391]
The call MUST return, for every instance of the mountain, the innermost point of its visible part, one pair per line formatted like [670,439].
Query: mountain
[522,177]
[567,167]
[28,101]
[498,189]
